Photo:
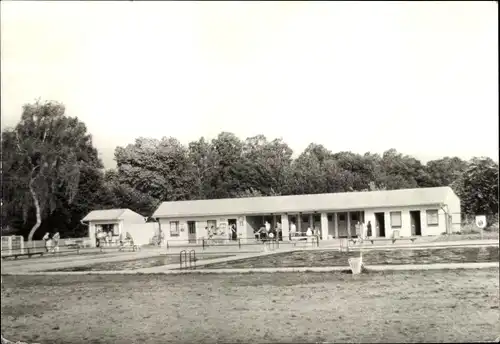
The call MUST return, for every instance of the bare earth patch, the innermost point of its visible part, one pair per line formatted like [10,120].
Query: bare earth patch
[419,306]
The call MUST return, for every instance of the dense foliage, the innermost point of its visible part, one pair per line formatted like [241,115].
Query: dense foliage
[52,175]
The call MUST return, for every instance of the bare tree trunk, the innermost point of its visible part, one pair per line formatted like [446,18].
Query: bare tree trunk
[38,212]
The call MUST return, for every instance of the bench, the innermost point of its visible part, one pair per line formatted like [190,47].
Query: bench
[132,248]
[298,238]
[28,254]
[372,240]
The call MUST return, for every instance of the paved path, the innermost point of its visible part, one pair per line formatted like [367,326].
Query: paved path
[40,264]
[420,267]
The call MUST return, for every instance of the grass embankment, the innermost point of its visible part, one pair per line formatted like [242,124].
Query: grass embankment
[374,257]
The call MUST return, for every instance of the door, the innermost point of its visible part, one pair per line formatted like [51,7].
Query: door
[233,229]
[416,228]
[342,226]
[380,224]
[192,232]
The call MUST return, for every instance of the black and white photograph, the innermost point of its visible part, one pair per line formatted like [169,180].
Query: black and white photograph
[249,172]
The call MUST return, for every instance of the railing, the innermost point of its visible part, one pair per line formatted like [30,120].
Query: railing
[313,241]
[41,250]
[192,259]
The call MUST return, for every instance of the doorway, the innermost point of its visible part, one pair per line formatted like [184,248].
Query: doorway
[380,224]
[191,232]
[416,227]
[342,225]
[233,229]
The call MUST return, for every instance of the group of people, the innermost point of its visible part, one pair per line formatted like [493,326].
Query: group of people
[51,243]
[309,232]
[106,238]
[363,231]
[267,233]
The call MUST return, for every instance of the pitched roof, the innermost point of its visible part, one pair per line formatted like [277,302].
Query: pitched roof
[304,203]
[105,215]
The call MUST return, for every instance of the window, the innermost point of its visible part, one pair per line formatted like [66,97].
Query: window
[212,223]
[432,217]
[174,228]
[354,217]
[111,229]
[192,227]
[395,219]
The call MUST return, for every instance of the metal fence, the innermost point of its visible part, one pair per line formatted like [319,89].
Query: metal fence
[241,243]
[15,246]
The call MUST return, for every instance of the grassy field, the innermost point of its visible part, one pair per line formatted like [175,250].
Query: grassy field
[140,263]
[374,257]
[468,236]
[432,306]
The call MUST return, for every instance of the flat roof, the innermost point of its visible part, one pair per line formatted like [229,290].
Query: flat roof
[305,203]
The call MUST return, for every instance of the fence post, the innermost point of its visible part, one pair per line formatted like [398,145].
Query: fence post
[239,243]
[203,244]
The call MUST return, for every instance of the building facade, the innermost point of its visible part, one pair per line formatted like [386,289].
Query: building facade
[116,222]
[412,212]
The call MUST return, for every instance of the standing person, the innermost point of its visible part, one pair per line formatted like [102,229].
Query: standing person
[358,229]
[55,240]
[293,230]
[46,239]
[234,235]
[109,238]
[309,234]
[278,231]
[268,226]
[369,229]
[100,237]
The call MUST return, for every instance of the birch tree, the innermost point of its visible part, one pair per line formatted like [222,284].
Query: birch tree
[42,156]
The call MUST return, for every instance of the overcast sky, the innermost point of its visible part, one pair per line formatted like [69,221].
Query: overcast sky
[420,77]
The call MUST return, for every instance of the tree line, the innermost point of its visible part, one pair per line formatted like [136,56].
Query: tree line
[52,175]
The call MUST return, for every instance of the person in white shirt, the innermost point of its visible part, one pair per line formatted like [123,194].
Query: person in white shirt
[293,230]
[55,240]
[309,234]
[47,240]
[268,226]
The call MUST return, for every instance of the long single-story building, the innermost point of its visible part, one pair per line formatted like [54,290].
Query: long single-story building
[413,212]
[116,222]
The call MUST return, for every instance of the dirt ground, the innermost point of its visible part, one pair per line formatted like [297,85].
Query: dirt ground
[432,306]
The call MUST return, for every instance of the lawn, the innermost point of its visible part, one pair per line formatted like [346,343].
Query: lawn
[140,263]
[373,257]
[468,236]
[431,306]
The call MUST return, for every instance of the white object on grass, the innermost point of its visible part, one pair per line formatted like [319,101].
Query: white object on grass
[481,221]
[356,264]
